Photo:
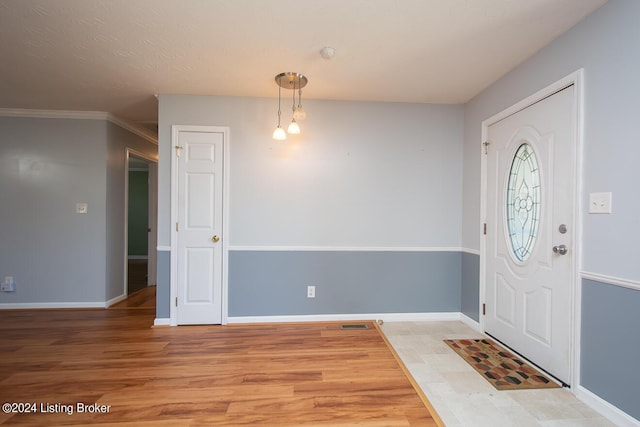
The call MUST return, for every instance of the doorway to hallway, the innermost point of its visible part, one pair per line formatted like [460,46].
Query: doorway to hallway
[140,219]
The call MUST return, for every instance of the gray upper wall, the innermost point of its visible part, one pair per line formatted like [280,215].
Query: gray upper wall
[606,45]
[46,167]
[361,174]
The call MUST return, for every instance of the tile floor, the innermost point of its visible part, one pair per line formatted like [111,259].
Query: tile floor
[463,398]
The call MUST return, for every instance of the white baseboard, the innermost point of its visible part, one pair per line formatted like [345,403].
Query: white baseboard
[386,317]
[115,300]
[418,317]
[46,305]
[470,322]
[606,409]
[347,248]
[161,321]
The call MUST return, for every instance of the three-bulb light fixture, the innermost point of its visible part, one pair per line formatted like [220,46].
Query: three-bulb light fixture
[294,82]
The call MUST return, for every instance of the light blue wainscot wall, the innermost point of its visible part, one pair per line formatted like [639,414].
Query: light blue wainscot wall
[274,283]
[163,288]
[611,344]
[470,285]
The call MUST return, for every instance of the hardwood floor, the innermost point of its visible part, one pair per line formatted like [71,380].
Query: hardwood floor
[258,375]
[136,275]
[144,298]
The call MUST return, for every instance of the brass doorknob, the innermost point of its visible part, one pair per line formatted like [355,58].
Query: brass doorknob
[215,239]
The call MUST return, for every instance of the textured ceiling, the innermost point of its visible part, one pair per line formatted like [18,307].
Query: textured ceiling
[114,55]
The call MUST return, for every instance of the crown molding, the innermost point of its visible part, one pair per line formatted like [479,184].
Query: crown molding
[53,114]
[80,115]
[133,128]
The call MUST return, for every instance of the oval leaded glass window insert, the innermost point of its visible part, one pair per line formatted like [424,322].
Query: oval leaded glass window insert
[523,202]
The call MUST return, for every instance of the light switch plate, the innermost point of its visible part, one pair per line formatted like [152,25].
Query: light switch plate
[600,203]
[81,208]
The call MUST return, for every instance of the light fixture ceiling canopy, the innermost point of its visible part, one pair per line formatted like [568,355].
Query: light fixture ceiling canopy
[291,80]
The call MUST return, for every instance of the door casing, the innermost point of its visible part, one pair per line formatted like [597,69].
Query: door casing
[175,131]
[153,198]
[575,79]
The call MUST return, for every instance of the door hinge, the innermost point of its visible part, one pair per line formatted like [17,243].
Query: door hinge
[486,147]
[176,301]
[484,229]
[484,309]
[178,150]
[177,226]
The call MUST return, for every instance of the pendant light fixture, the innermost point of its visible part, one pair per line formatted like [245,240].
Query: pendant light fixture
[292,81]
[279,133]
[299,113]
[293,128]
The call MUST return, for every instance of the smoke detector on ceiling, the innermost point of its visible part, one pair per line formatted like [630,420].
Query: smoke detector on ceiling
[327,52]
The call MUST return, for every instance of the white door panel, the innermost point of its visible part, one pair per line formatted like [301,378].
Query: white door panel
[530,170]
[505,301]
[199,201]
[537,314]
[199,275]
[199,177]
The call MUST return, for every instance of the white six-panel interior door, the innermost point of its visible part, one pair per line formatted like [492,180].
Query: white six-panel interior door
[530,256]
[198,238]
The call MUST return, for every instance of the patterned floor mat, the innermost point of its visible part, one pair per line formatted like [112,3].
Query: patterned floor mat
[499,366]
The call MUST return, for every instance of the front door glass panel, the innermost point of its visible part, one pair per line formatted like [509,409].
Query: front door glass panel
[523,202]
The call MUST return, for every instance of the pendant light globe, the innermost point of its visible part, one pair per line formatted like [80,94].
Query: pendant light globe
[279,134]
[299,113]
[294,128]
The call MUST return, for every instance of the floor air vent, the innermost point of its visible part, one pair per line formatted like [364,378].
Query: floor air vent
[354,326]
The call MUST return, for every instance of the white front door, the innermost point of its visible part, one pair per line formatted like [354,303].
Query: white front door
[530,174]
[199,160]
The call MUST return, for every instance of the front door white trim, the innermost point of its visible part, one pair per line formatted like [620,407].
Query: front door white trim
[175,131]
[575,79]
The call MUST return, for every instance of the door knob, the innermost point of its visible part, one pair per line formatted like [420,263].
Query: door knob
[560,250]
[215,239]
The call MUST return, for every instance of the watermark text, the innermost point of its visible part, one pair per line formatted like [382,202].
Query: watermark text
[55,408]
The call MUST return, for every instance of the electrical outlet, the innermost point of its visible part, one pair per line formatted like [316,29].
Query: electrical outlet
[8,285]
[311,291]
